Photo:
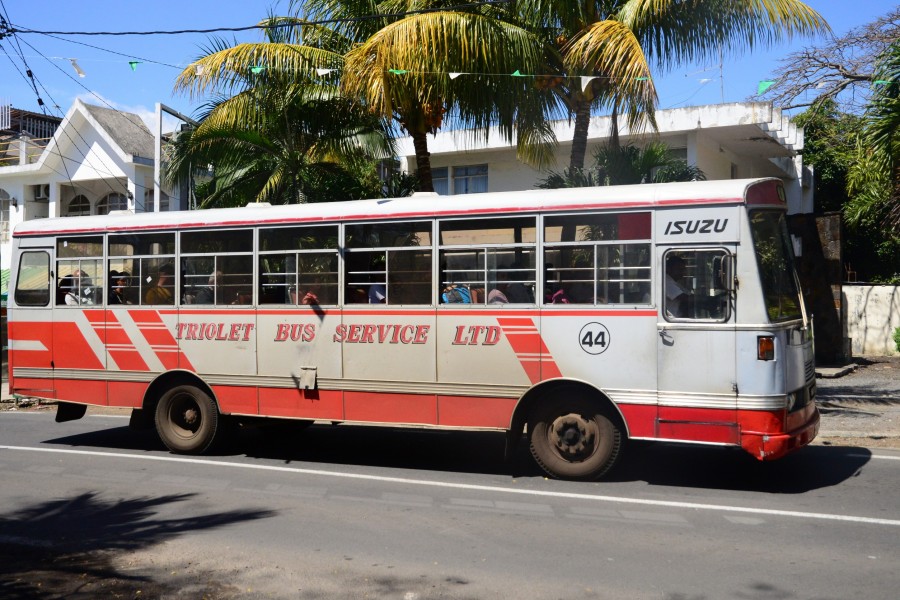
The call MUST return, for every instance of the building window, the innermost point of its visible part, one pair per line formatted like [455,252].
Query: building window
[467,179]
[440,181]
[471,179]
[5,202]
[163,201]
[113,201]
[78,206]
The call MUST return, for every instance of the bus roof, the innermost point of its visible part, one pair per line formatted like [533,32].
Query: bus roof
[419,206]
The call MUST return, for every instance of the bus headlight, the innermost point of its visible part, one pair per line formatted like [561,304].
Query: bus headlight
[765,347]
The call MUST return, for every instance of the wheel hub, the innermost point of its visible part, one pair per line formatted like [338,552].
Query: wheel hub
[572,435]
[191,416]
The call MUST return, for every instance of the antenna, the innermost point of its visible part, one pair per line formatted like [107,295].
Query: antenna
[721,77]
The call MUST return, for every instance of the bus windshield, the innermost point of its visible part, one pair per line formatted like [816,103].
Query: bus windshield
[776,267]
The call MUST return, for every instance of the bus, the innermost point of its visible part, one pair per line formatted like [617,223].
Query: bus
[573,319]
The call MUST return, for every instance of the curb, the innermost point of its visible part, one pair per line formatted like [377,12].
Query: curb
[834,372]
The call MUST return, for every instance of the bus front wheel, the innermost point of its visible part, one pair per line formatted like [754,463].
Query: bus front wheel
[573,439]
[187,420]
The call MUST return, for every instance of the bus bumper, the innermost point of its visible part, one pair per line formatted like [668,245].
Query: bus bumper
[768,446]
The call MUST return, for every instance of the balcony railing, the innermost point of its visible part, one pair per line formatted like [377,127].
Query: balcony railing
[21,151]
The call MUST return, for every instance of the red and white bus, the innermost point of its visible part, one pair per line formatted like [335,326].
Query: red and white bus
[584,317]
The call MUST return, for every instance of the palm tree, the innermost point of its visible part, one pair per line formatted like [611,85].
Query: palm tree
[874,178]
[284,136]
[401,67]
[616,41]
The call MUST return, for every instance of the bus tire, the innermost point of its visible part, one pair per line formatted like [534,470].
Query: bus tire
[187,420]
[573,439]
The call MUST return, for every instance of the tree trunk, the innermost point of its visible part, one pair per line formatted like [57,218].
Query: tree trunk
[581,106]
[614,127]
[423,161]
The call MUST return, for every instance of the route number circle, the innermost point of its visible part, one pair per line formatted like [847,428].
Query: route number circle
[594,338]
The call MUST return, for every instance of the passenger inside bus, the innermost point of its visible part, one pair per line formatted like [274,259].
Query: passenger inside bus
[118,283]
[74,289]
[207,294]
[677,288]
[377,294]
[554,293]
[161,293]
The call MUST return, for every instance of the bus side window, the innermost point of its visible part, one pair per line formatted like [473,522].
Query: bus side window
[33,279]
[694,285]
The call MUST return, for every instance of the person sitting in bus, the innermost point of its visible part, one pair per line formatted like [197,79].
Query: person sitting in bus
[677,291]
[161,293]
[75,289]
[553,290]
[117,284]
[497,295]
[377,294]
[207,295]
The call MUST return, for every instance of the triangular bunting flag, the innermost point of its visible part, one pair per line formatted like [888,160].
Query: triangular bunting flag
[257,70]
[585,82]
[133,64]
[321,72]
[76,67]
[397,71]
[763,86]
[454,75]
[517,74]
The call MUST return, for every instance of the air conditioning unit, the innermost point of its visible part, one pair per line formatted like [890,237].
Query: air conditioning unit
[42,192]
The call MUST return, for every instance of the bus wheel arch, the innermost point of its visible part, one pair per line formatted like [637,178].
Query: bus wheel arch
[184,411]
[574,430]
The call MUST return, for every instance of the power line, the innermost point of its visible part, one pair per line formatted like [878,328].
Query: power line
[14,29]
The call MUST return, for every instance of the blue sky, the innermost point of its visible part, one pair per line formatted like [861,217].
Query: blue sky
[109,80]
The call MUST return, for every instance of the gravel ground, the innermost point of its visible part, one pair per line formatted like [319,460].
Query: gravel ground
[862,408]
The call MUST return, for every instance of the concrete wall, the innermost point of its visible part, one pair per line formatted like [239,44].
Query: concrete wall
[871,314]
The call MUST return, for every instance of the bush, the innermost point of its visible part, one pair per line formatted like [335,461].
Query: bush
[897,338]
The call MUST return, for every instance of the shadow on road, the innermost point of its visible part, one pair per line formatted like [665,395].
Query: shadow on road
[660,464]
[810,468]
[67,548]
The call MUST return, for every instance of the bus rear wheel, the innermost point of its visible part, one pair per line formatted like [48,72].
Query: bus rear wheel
[187,420]
[573,439]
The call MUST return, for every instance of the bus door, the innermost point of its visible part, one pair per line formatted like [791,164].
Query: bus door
[30,331]
[697,345]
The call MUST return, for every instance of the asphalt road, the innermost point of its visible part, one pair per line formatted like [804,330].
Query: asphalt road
[90,509]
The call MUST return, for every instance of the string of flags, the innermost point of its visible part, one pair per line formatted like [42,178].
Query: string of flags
[553,79]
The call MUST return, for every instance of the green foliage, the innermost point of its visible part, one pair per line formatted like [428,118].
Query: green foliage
[624,165]
[874,181]
[848,179]
[897,338]
[829,146]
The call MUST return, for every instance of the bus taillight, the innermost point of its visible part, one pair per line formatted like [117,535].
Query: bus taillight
[765,347]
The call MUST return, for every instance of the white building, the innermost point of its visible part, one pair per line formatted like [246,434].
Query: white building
[726,141]
[98,160]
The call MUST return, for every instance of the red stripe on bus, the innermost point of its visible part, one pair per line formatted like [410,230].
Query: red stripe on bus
[71,350]
[526,341]
[302,404]
[119,346]
[159,337]
[472,411]
[24,332]
[127,394]
[376,407]
[237,399]
[81,390]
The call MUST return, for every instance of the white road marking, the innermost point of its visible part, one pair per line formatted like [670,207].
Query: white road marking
[885,457]
[474,487]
